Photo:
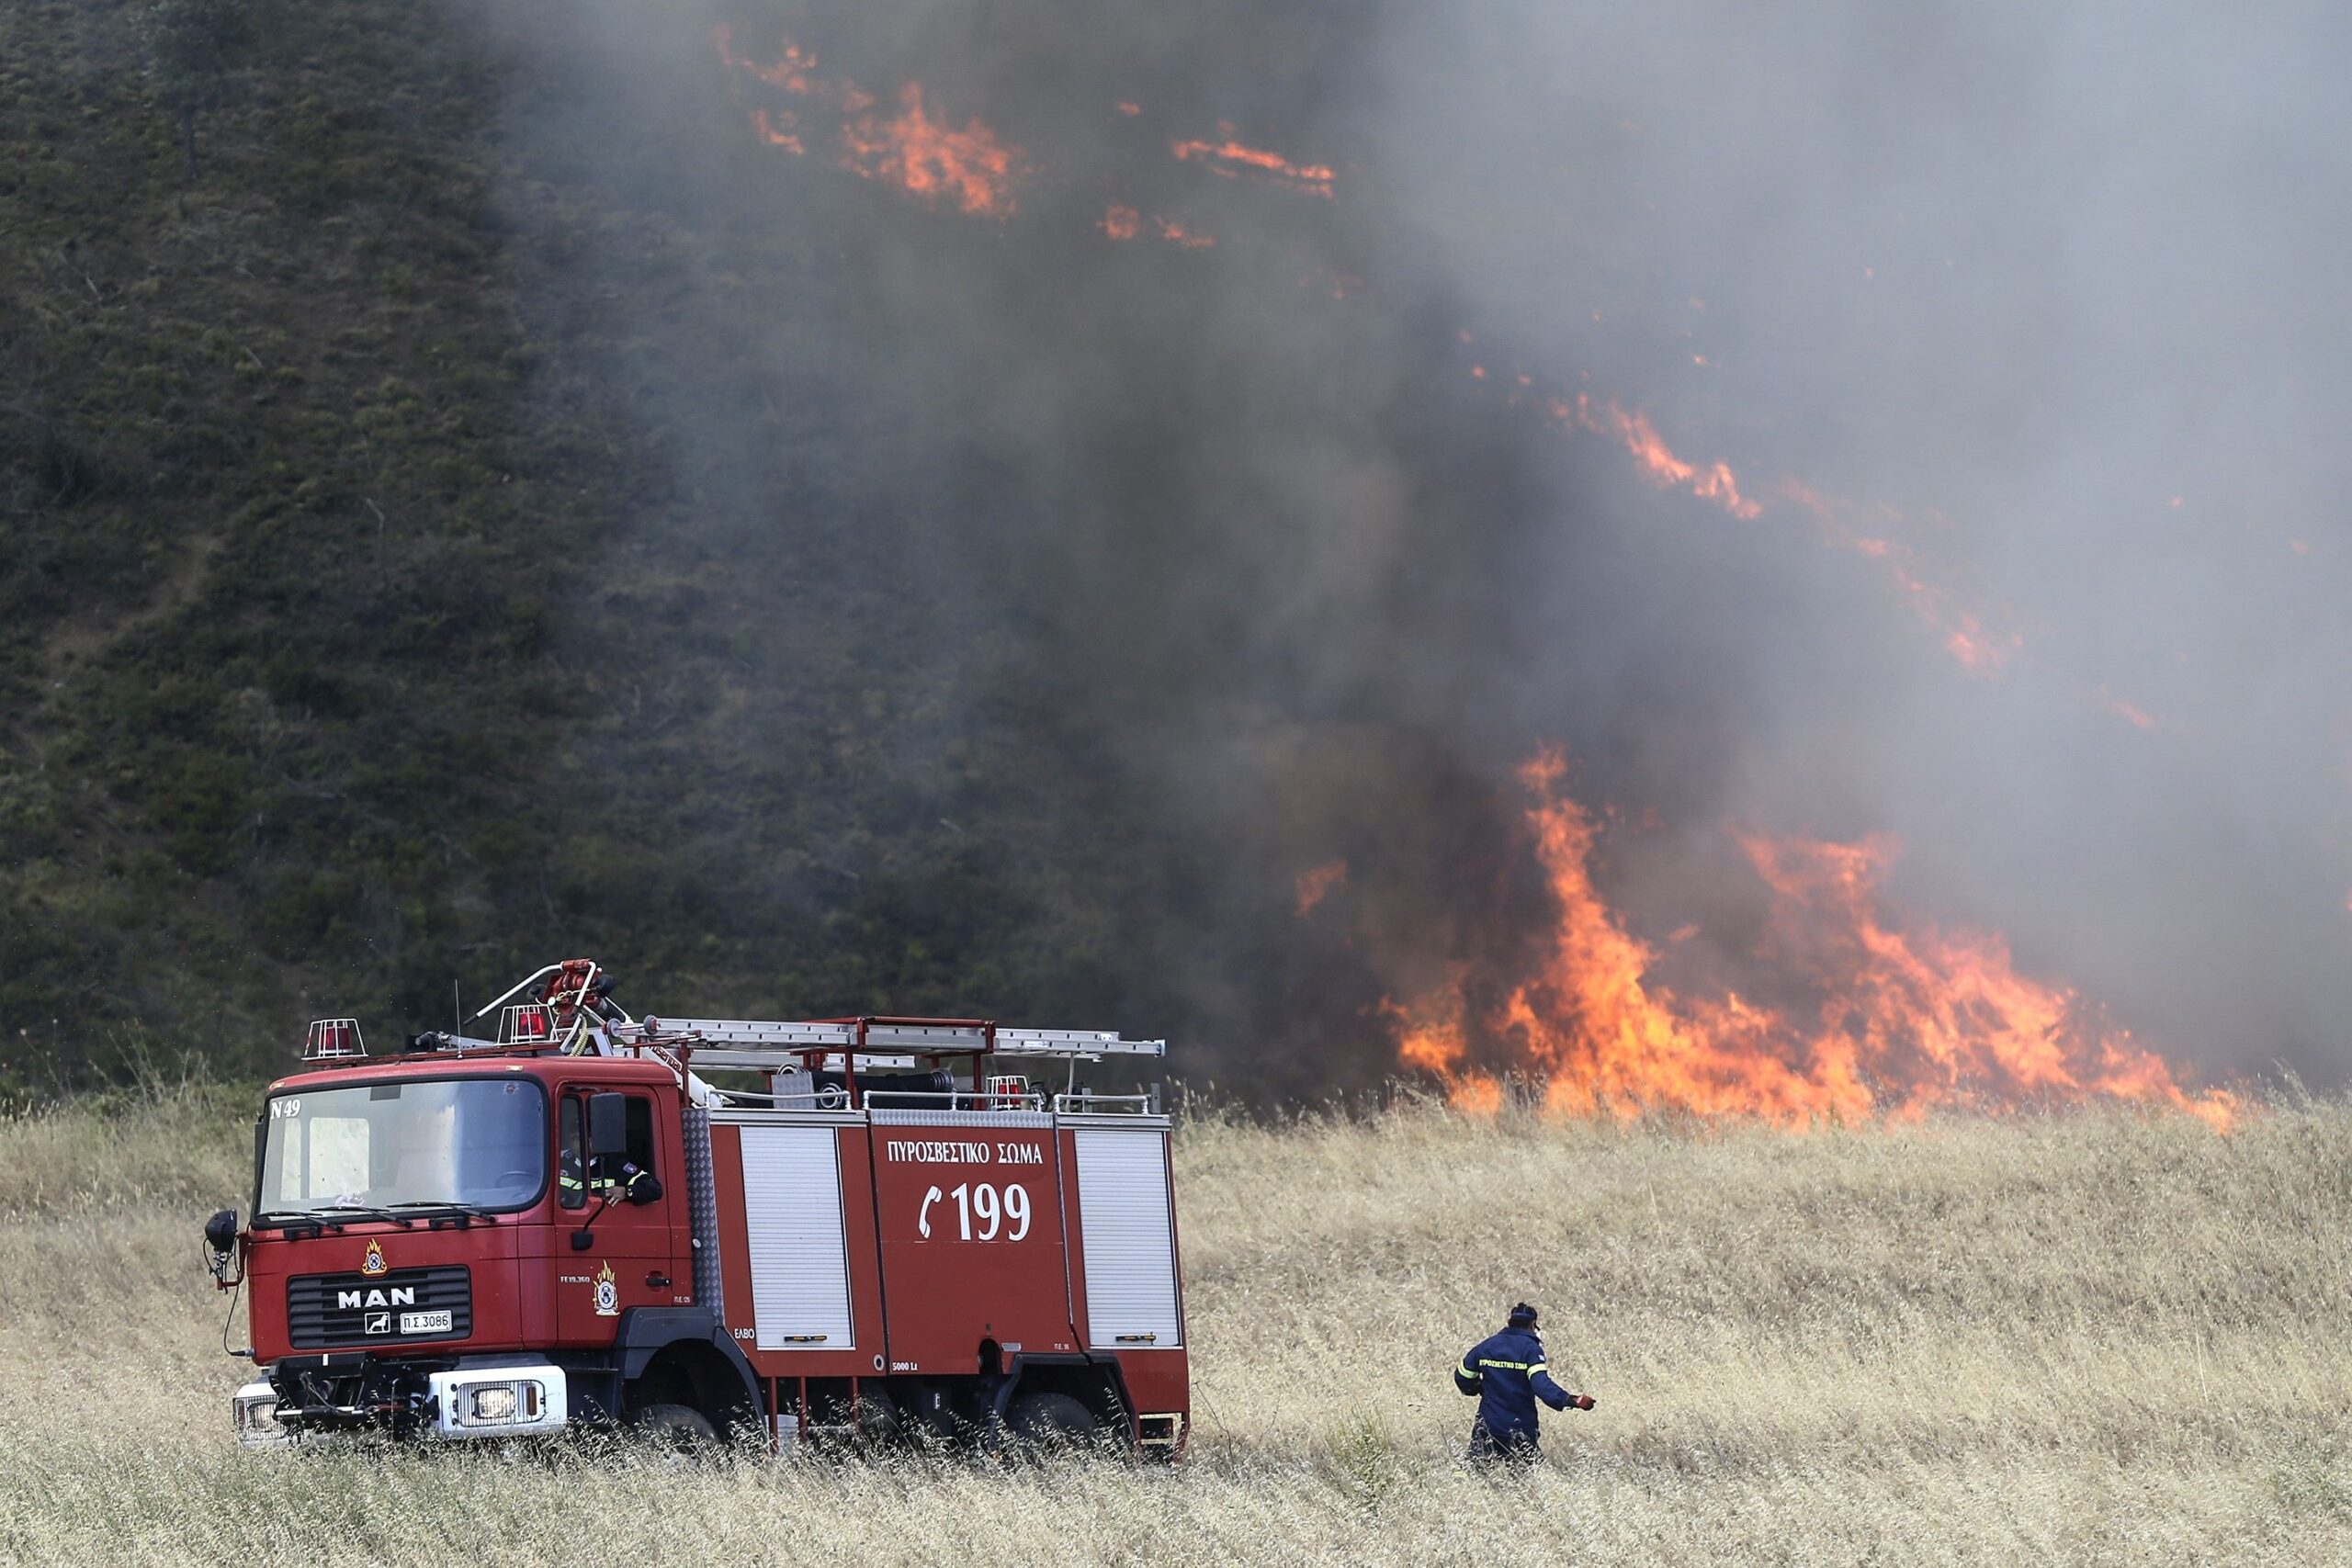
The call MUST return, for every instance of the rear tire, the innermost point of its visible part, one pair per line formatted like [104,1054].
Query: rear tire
[1050,1423]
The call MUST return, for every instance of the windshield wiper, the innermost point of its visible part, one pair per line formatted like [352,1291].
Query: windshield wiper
[365,1212]
[331,1217]
[452,1205]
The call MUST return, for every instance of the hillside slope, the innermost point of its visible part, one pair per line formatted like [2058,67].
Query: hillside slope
[260,494]
[2092,1339]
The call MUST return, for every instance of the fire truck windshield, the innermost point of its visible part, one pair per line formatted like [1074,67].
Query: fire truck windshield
[476,1143]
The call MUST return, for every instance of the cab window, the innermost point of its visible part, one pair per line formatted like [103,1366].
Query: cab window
[572,1166]
[582,1175]
[612,1168]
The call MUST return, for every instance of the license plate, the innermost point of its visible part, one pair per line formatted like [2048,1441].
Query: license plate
[424,1323]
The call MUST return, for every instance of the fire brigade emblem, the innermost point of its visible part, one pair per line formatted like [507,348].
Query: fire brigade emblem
[608,1294]
[374,1263]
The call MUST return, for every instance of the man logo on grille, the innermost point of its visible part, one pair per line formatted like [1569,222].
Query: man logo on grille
[377,1323]
[374,1262]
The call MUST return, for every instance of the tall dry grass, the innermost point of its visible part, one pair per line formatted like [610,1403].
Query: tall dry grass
[2083,1339]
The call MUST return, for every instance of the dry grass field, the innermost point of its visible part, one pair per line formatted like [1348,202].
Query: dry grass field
[2100,1338]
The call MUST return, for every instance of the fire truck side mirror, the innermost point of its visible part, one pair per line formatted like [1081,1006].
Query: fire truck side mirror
[607,1125]
[220,1239]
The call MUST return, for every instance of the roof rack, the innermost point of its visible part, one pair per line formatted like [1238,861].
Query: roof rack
[566,1008]
[764,1046]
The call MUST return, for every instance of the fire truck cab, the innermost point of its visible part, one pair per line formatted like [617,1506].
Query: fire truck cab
[882,1228]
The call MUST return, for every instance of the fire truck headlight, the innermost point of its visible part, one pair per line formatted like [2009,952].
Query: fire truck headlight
[255,1411]
[497,1401]
[503,1403]
[490,1405]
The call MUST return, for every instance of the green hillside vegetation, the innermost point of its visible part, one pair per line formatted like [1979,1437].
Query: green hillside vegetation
[2102,1338]
[357,631]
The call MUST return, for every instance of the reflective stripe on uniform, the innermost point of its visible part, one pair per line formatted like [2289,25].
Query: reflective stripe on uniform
[1539,1367]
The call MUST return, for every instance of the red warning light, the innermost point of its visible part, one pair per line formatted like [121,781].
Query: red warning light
[332,1037]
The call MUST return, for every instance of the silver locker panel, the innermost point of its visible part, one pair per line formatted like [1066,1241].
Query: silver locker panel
[1130,1241]
[792,1202]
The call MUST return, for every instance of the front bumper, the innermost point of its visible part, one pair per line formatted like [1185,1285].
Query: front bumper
[490,1398]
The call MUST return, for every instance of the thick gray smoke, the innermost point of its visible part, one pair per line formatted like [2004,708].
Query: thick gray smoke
[2041,297]
[2059,282]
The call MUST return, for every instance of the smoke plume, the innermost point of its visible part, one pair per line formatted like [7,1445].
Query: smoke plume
[1908,428]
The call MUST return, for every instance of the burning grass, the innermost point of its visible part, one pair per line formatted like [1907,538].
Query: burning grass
[2106,1336]
[906,145]
[1908,1018]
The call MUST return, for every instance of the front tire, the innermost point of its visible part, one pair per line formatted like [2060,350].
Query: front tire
[675,1428]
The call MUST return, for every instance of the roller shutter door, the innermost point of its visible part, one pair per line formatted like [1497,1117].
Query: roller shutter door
[792,1203]
[1130,1244]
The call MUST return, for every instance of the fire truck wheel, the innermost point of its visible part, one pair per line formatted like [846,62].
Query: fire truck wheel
[1045,1422]
[674,1427]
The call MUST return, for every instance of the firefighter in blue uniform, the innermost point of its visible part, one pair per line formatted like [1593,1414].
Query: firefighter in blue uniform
[613,1178]
[1507,1374]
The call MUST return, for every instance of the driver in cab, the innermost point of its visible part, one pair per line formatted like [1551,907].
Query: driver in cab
[610,1177]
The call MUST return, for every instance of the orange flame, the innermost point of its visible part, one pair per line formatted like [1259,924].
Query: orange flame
[1178,236]
[1230,158]
[1909,1018]
[1317,883]
[1713,481]
[1431,1037]
[1121,222]
[1967,643]
[1977,649]
[2130,713]
[968,168]
[776,130]
[788,71]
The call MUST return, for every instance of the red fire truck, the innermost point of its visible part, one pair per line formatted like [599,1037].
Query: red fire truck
[853,1229]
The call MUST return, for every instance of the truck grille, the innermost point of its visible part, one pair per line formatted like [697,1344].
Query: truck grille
[396,1308]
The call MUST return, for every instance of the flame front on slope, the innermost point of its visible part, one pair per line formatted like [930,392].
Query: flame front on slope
[1907,1017]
